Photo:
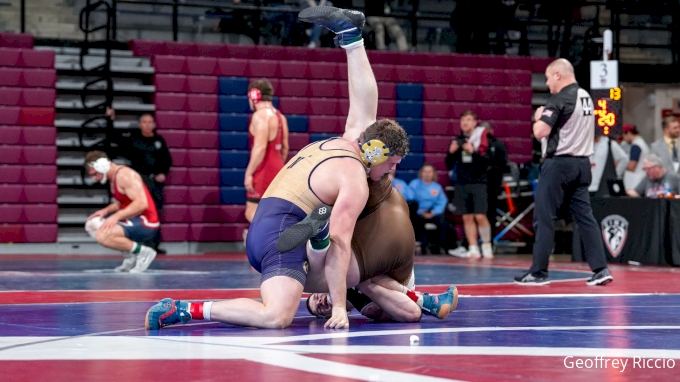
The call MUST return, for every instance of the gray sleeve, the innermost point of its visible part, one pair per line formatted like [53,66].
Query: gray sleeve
[642,187]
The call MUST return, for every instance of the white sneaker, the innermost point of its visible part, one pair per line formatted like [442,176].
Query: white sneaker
[144,259]
[128,263]
[473,252]
[487,250]
[459,252]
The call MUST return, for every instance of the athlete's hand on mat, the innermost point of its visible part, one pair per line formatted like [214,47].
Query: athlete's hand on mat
[101,213]
[109,223]
[338,320]
[538,113]
[454,147]
[160,178]
[468,147]
[248,183]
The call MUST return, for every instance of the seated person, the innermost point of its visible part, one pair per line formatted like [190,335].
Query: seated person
[432,201]
[658,182]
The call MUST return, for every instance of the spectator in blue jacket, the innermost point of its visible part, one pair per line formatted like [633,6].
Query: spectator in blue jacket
[407,192]
[432,202]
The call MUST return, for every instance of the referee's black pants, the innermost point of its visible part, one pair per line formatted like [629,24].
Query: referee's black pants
[565,180]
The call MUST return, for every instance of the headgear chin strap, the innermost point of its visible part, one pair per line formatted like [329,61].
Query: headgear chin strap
[255,95]
[374,152]
[102,166]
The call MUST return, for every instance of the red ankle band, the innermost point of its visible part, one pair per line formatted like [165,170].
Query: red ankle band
[196,310]
[412,295]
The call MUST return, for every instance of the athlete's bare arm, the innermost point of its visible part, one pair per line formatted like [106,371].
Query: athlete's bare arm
[363,94]
[111,208]
[131,185]
[259,128]
[351,199]
[284,139]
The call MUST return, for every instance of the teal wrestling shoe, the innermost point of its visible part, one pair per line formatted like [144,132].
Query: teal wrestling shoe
[345,23]
[167,312]
[440,305]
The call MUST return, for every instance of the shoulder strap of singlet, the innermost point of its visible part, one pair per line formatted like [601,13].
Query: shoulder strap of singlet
[113,179]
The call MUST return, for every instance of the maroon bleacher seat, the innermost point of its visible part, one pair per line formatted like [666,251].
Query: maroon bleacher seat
[386,90]
[37,58]
[39,154]
[518,112]
[343,105]
[387,108]
[539,64]
[205,232]
[268,52]
[293,88]
[11,76]
[465,61]
[40,233]
[328,55]
[521,146]
[210,50]
[241,51]
[383,57]
[11,193]
[174,232]
[518,63]
[324,106]
[180,158]
[172,83]
[10,154]
[206,66]
[12,233]
[441,126]
[262,68]
[325,71]
[177,175]
[10,135]
[326,124]
[519,129]
[342,71]
[294,105]
[441,60]
[201,121]
[518,78]
[326,88]
[146,48]
[11,213]
[519,95]
[232,231]
[17,40]
[203,176]
[495,94]
[171,101]
[171,119]
[203,139]
[491,111]
[438,159]
[42,78]
[10,174]
[180,48]
[296,141]
[10,57]
[437,92]
[39,193]
[415,59]
[437,75]
[203,158]
[175,138]
[232,214]
[39,213]
[293,69]
[36,116]
[294,53]
[519,158]
[384,72]
[436,143]
[32,135]
[39,174]
[409,74]
[464,76]
[491,77]
[176,213]
[491,62]
[169,64]
[433,109]
[232,67]
[38,97]
[201,84]
[175,194]
[10,96]
[202,102]
[203,195]
[205,214]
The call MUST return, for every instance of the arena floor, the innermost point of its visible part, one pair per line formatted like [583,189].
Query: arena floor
[66,318]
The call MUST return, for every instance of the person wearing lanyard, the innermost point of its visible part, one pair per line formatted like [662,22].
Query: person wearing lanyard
[566,127]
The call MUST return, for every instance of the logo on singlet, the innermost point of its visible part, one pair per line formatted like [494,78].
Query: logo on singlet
[322,211]
[587,106]
[614,233]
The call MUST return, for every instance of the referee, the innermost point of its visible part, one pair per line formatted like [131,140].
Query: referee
[566,128]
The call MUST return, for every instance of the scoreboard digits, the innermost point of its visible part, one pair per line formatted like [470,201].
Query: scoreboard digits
[608,109]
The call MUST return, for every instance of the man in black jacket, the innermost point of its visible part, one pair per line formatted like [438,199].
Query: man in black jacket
[468,155]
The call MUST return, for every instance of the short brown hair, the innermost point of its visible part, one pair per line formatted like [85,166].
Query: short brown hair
[427,164]
[391,134]
[668,120]
[266,88]
[93,156]
[470,113]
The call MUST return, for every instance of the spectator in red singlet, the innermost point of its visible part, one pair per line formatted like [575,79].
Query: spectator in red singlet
[268,133]
[130,220]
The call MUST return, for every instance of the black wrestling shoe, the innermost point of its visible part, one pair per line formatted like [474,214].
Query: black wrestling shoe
[602,277]
[532,279]
[298,234]
[346,24]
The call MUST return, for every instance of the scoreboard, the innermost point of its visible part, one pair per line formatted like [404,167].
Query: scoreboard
[608,110]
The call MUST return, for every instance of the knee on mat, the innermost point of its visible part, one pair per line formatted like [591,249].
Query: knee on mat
[277,320]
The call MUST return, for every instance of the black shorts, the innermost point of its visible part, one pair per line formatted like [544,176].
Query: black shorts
[471,199]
